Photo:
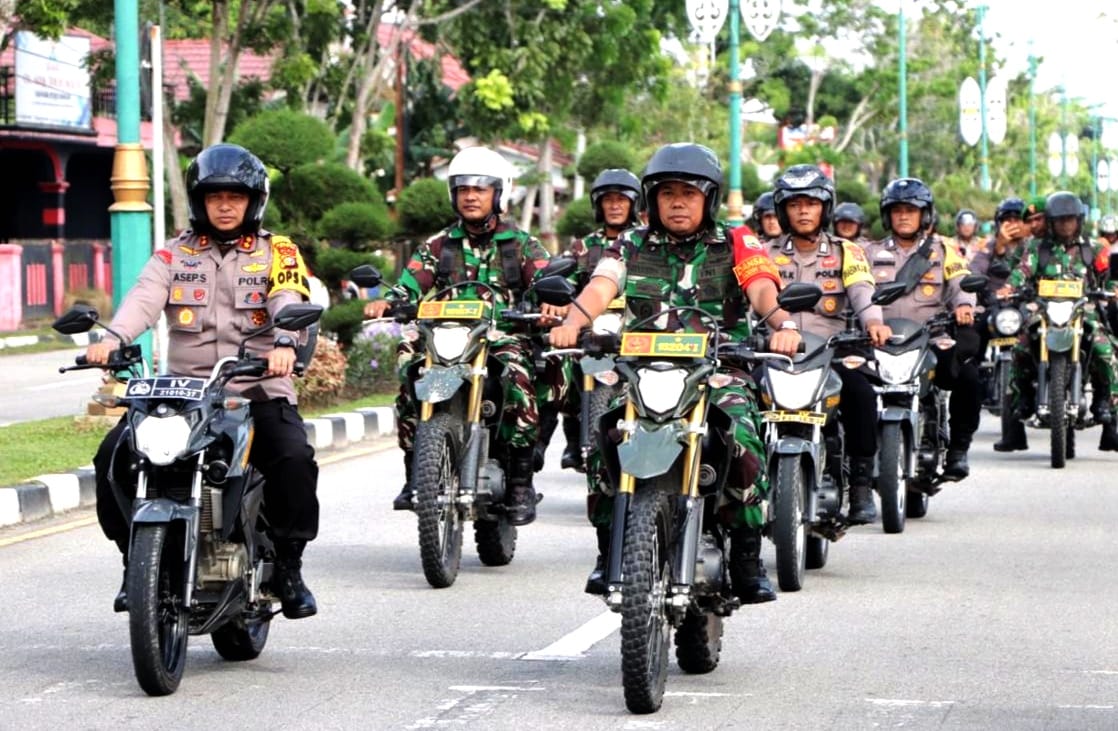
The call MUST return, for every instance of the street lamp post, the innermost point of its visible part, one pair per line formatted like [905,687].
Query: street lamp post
[1032,125]
[984,150]
[902,123]
[734,214]
[130,214]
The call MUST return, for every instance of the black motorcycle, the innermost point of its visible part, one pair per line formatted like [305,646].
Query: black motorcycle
[199,560]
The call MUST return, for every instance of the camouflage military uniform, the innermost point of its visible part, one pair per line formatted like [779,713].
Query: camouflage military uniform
[653,274]
[480,261]
[1068,264]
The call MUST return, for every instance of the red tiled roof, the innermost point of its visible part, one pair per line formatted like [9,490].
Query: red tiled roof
[185,58]
[454,76]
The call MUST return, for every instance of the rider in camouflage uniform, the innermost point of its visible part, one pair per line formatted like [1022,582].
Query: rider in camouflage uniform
[480,247]
[685,257]
[615,197]
[1065,253]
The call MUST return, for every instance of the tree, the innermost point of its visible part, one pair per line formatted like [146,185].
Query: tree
[605,155]
[284,139]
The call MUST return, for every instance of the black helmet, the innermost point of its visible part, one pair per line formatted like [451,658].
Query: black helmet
[616,180]
[688,163]
[226,167]
[803,180]
[913,192]
[1063,204]
[1009,207]
[763,205]
[850,212]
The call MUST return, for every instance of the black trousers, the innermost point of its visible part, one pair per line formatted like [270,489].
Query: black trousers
[858,413]
[957,371]
[280,452]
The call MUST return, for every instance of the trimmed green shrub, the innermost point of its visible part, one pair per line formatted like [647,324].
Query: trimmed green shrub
[604,155]
[285,139]
[308,191]
[344,320]
[333,264]
[356,224]
[577,220]
[424,207]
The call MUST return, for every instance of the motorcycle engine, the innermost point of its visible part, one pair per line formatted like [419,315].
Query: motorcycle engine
[220,562]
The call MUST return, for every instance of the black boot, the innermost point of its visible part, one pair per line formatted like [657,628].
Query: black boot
[404,501]
[955,465]
[1108,442]
[747,572]
[120,603]
[549,419]
[521,496]
[572,453]
[287,581]
[1013,436]
[1100,409]
[596,581]
[862,509]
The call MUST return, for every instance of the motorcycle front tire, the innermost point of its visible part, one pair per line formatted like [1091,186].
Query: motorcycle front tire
[158,617]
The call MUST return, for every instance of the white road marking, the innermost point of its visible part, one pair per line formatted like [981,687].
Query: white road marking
[1087,707]
[700,694]
[573,645]
[490,688]
[471,709]
[901,703]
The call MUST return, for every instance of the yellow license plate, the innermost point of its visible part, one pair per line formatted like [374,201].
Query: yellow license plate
[801,417]
[1059,288]
[664,345]
[1002,342]
[452,310]
[617,303]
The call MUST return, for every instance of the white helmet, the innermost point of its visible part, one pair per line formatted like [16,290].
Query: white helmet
[481,167]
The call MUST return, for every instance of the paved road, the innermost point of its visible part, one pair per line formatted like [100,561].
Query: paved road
[994,612]
[36,390]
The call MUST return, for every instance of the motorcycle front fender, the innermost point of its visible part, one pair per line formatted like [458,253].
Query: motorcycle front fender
[895,413]
[650,452]
[162,510]
[440,383]
[1060,340]
[795,445]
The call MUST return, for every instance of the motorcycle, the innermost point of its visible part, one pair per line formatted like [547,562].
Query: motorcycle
[456,476]
[199,561]
[1061,404]
[912,410]
[1005,319]
[801,395]
[668,556]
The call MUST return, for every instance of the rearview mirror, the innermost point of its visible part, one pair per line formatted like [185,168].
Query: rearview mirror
[560,266]
[799,297]
[888,292]
[366,275]
[298,316]
[554,290]
[974,283]
[78,319]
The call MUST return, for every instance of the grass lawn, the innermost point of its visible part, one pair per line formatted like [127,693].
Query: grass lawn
[60,445]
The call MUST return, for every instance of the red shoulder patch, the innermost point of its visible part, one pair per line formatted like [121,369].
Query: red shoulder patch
[164,256]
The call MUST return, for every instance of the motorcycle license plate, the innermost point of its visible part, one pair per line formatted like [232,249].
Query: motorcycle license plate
[664,345]
[802,417]
[452,310]
[1003,342]
[190,389]
[1059,288]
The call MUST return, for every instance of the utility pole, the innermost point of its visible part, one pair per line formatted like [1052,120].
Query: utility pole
[734,215]
[902,124]
[130,214]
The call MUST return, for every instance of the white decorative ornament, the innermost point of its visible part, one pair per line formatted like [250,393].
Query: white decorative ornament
[707,17]
[995,111]
[970,111]
[1055,154]
[760,17]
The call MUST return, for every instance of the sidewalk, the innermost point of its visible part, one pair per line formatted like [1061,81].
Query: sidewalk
[21,341]
[48,495]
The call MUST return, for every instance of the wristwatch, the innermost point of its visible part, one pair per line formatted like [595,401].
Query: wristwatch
[789,324]
[285,341]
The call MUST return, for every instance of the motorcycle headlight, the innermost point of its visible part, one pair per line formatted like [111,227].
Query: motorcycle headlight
[794,391]
[1008,321]
[895,369]
[1060,312]
[450,341]
[661,391]
[607,323]
[162,440]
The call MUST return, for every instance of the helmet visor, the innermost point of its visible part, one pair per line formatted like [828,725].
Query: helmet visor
[474,181]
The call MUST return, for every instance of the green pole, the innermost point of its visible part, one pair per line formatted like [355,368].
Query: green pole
[1095,170]
[903,108]
[734,200]
[984,154]
[1032,125]
[130,214]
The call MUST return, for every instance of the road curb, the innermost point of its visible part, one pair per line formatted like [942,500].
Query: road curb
[48,495]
